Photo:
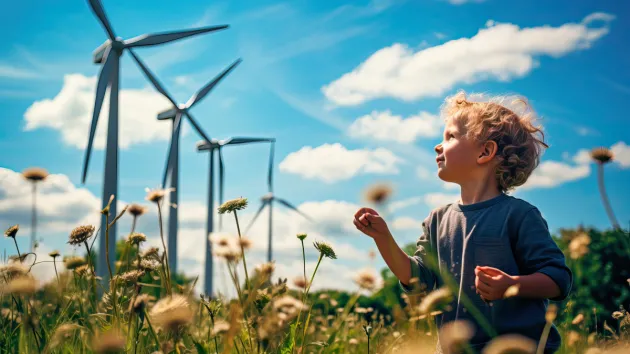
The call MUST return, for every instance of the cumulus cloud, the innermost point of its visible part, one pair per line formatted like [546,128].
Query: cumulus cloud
[406,223]
[554,173]
[502,51]
[70,113]
[388,127]
[438,199]
[461,2]
[333,162]
[622,154]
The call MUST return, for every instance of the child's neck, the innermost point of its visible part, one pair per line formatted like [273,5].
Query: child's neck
[478,191]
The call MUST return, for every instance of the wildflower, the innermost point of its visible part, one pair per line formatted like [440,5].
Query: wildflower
[73,262]
[602,155]
[172,312]
[288,305]
[105,210]
[219,327]
[301,236]
[366,279]
[378,193]
[233,205]
[156,195]
[617,315]
[578,247]
[360,310]
[62,333]
[552,311]
[436,300]
[245,243]
[266,268]
[82,270]
[81,234]
[510,343]
[54,254]
[511,291]
[572,338]
[22,285]
[353,341]
[130,276]
[578,319]
[455,334]
[300,282]
[325,249]
[396,334]
[12,231]
[13,269]
[136,210]
[136,238]
[147,264]
[110,342]
[323,296]
[35,174]
[152,252]
[140,303]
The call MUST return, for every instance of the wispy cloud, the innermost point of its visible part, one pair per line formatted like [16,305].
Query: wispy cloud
[616,85]
[12,72]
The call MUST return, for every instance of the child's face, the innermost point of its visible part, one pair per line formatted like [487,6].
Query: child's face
[456,155]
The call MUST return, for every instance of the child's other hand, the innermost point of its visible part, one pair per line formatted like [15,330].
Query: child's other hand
[492,283]
[370,223]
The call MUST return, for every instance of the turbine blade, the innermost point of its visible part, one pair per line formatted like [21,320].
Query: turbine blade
[264,204]
[165,37]
[206,89]
[244,140]
[221,185]
[98,10]
[101,87]
[270,171]
[290,206]
[171,151]
[197,127]
[152,78]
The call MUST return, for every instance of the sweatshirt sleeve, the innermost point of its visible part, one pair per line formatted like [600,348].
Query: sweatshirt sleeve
[426,277]
[537,252]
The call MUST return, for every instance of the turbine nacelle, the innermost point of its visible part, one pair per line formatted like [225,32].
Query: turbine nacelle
[267,197]
[168,114]
[208,145]
[99,53]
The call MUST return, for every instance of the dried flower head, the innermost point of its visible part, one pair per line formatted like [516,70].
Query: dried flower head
[156,195]
[54,254]
[266,268]
[301,236]
[578,247]
[147,264]
[233,205]
[378,193]
[140,303]
[510,343]
[136,238]
[325,249]
[172,312]
[353,341]
[82,271]
[13,269]
[130,276]
[62,334]
[602,155]
[300,282]
[81,234]
[454,335]
[578,319]
[220,327]
[21,285]
[109,343]
[73,262]
[12,231]
[366,279]
[552,312]
[245,243]
[572,338]
[288,305]
[437,300]
[617,315]
[35,174]
[152,253]
[136,210]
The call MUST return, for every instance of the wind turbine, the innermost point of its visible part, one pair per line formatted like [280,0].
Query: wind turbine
[268,200]
[213,145]
[108,54]
[172,162]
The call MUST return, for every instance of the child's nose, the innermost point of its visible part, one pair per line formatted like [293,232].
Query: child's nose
[438,148]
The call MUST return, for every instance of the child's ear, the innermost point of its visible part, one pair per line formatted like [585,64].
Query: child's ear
[488,152]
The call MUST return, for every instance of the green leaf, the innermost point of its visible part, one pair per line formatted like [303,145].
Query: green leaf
[200,348]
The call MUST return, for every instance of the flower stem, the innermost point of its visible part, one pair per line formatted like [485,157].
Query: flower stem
[168,271]
[238,228]
[109,267]
[18,249]
[321,255]
[303,258]
[604,196]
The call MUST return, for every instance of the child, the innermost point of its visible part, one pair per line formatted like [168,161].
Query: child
[488,241]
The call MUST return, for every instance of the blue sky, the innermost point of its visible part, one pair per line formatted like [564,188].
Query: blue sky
[350,92]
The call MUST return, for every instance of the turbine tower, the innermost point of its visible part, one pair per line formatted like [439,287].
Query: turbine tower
[108,54]
[172,162]
[213,145]
[267,201]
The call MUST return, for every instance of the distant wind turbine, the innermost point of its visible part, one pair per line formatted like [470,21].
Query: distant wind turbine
[267,201]
[172,162]
[213,145]
[108,54]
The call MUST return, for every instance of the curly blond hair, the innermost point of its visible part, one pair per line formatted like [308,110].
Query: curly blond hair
[520,143]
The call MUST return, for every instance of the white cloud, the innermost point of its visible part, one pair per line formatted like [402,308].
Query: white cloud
[582,157]
[621,152]
[502,51]
[423,173]
[387,127]
[438,199]
[401,204]
[553,173]
[12,72]
[406,223]
[461,2]
[70,112]
[333,162]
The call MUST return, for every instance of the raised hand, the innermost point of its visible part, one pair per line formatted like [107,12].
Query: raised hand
[369,222]
[491,283]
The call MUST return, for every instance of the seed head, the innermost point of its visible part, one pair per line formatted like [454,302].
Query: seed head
[300,282]
[301,236]
[578,247]
[454,335]
[136,210]
[325,249]
[366,279]
[288,305]
[156,195]
[109,343]
[136,238]
[233,205]
[81,234]
[219,327]
[22,285]
[12,231]
[130,276]
[147,265]
[151,253]
[54,254]
[552,312]
[82,270]
[437,300]
[73,262]
[602,155]
[245,243]
[62,334]
[35,174]
[617,315]
[378,193]
[140,303]
[266,268]
[510,343]
[578,319]
[105,210]
[172,312]
[13,269]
